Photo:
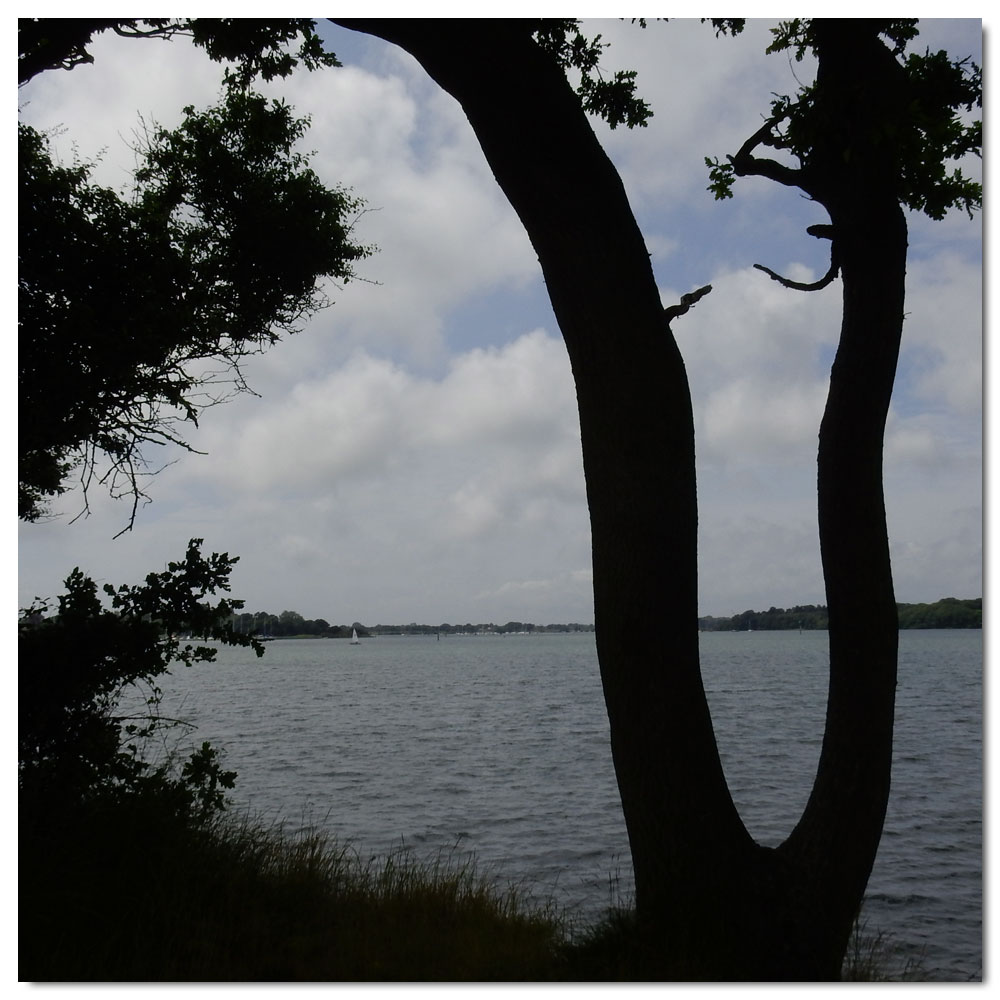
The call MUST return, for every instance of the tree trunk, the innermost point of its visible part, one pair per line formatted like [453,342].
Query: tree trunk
[711,904]
[855,174]
[838,836]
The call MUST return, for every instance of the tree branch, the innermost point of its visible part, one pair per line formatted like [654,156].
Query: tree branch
[821,232]
[747,165]
[811,286]
[687,301]
[51,43]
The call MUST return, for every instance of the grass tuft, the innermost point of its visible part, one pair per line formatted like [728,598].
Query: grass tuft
[874,957]
[232,900]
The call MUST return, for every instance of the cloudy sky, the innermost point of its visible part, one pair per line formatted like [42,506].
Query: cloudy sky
[414,454]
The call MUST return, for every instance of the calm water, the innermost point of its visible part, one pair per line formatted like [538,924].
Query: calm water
[500,746]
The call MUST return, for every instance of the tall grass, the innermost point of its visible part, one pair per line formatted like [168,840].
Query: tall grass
[874,957]
[116,900]
[125,893]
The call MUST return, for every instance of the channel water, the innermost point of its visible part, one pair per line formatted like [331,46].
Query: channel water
[498,746]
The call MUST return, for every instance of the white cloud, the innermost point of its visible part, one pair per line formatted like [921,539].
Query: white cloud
[681,68]
[371,476]
[943,332]
[954,540]
[444,231]
[98,106]
[386,474]
[757,358]
[750,425]
[758,555]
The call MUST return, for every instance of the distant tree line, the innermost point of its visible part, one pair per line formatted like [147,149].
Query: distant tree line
[804,616]
[510,628]
[290,623]
[267,625]
[947,613]
[950,612]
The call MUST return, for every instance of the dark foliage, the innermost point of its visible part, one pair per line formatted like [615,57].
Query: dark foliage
[134,314]
[914,134]
[257,47]
[612,99]
[76,744]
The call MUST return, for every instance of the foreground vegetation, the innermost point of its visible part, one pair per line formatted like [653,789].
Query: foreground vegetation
[130,866]
[120,898]
[129,892]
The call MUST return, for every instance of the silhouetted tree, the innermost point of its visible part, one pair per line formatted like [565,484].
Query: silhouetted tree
[255,46]
[134,313]
[873,134]
[711,903]
[77,746]
[696,867]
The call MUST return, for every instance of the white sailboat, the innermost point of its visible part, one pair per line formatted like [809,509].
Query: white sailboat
[355,641]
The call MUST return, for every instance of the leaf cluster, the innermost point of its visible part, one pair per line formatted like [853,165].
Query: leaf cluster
[259,47]
[134,314]
[721,177]
[253,223]
[612,99]
[938,135]
[727,25]
[256,47]
[76,666]
[908,137]
[799,35]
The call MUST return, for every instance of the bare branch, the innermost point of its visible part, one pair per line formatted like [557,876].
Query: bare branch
[687,301]
[811,286]
[129,29]
[821,232]
[747,165]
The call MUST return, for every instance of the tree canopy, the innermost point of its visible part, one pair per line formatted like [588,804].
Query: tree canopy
[256,47]
[917,129]
[135,311]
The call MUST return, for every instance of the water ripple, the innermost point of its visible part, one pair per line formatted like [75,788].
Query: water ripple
[502,746]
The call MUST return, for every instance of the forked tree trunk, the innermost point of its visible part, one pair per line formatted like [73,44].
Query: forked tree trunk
[711,903]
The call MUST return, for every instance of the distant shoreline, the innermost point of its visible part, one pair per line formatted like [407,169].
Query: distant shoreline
[949,612]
